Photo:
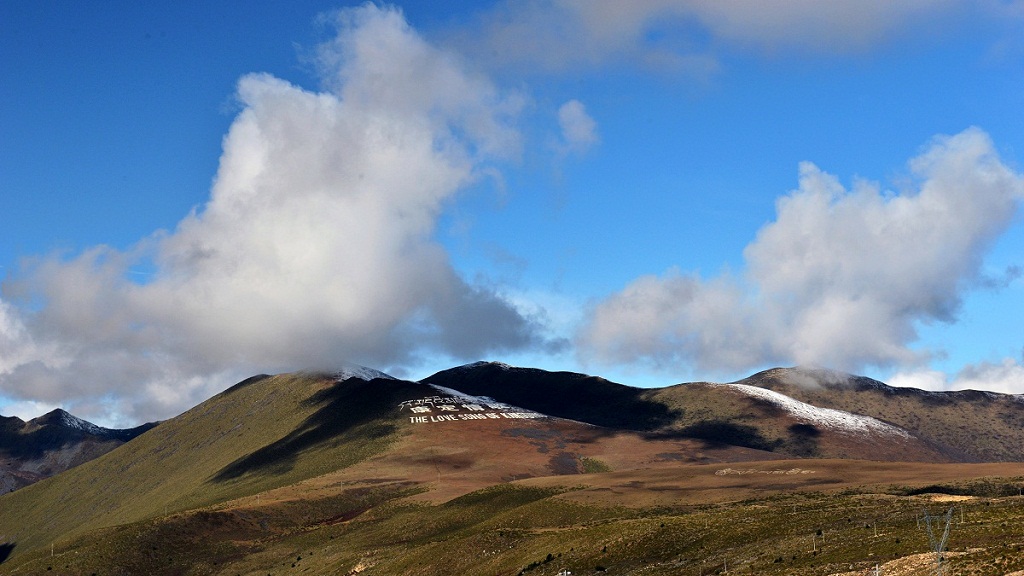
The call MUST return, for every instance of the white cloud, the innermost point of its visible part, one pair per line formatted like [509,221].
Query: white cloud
[315,247]
[1006,376]
[841,278]
[669,320]
[934,380]
[28,409]
[579,130]
[12,339]
[685,35]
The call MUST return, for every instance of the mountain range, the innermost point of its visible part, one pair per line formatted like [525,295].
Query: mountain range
[52,443]
[801,412]
[495,459]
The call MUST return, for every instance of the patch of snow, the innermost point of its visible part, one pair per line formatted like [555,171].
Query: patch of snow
[483,363]
[470,399]
[68,420]
[361,372]
[825,417]
[987,394]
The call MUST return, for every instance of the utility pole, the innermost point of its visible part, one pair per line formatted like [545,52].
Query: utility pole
[938,544]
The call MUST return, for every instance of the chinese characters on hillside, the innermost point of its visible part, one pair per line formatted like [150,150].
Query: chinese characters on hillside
[455,409]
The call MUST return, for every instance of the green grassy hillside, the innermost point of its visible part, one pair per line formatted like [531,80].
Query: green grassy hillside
[517,529]
[301,474]
[262,433]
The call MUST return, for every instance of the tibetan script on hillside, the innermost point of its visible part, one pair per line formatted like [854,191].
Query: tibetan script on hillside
[458,409]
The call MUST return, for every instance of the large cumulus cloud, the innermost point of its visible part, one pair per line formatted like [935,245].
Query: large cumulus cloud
[315,247]
[842,277]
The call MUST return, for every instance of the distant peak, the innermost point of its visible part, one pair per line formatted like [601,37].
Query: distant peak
[812,377]
[360,372]
[65,419]
[57,416]
[484,363]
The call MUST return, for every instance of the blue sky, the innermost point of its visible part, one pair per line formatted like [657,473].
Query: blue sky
[656,192]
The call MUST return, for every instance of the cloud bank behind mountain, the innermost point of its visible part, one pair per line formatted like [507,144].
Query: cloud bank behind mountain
[315,245]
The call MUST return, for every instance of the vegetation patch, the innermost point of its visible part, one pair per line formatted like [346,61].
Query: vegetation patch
[984,488]
[594,466]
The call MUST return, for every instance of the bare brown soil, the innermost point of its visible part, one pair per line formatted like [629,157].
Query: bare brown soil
[913,565]
[706,483]
[450,459]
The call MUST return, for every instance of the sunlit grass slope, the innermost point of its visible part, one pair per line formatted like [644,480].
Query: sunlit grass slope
[520,529]
[262,433]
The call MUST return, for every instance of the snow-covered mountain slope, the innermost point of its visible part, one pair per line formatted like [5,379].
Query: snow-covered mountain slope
[361,372]
[824,417]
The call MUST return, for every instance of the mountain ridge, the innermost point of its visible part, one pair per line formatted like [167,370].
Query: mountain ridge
[52,443]
[722,413]
[275,459]
[58,440]
[979,425]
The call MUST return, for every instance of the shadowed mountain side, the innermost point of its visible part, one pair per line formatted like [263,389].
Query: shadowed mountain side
[33,439]
[270,432]
[564,394]
[339,409]
[724,433]
[969,425]
[51,444]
